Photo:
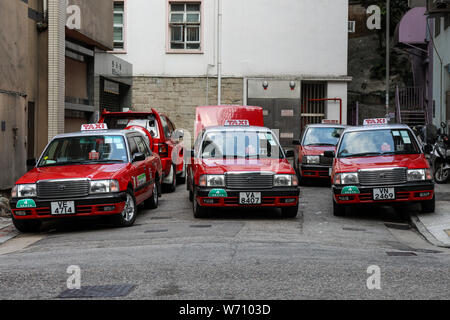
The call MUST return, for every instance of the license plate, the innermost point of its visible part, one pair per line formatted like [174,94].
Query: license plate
[250,198]
[63,207]
[383,194]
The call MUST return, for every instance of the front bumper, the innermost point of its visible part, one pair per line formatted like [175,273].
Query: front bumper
[275,197]
[409,192]
[89,206]
[315,171]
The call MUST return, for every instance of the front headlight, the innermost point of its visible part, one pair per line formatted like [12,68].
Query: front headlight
[312,159]
[24,191]
[346,178]
[212,180]
[285,180]
[104,186]
[419,175]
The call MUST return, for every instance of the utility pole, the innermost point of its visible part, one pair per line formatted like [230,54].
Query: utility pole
[388,5]
[219,52]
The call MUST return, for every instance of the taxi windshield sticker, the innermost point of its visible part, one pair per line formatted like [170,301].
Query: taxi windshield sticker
[350,190]
[141,179]
[94,155]
[395,133]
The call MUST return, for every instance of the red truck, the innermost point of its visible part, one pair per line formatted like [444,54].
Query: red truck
[237,162]
[91,173]
[380,165]
[164,138]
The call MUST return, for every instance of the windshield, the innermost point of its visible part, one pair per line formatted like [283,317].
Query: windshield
[322,136]
[240,144]
[377,142]
[85,150]
[148,122]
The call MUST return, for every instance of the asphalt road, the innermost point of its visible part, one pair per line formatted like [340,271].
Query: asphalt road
[241,254]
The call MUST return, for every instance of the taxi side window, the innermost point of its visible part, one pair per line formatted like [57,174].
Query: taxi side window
[165,126]
[133,146]
[142,148]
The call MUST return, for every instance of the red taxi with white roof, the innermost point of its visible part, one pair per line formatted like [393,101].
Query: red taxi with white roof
[95,172]
[309,161]
[236,162]
[164,139]
[380,164]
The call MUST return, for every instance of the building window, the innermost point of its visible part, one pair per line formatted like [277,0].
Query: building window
[119,25]
[437,30]
[184,25]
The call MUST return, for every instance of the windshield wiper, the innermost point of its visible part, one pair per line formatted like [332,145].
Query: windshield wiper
[364,154]
[321,144]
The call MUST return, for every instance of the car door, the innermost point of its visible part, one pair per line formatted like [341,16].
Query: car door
[150,164]
[138,172]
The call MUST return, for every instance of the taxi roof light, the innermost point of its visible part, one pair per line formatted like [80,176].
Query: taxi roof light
[375,121]
[94,126]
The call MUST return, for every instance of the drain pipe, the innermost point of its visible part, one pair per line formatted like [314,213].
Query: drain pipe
[45,9]
[219,53]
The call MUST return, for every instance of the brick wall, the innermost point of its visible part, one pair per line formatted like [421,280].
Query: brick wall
[178,97]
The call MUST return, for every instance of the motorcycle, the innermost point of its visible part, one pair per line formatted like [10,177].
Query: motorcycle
[441,156]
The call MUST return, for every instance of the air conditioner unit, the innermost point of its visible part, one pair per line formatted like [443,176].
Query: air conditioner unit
[438,6]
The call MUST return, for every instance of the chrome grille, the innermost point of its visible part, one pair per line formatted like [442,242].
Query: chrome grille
[382,177]
[53,189]
[249,180]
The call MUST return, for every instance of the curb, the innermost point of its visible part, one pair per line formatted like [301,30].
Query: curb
[7,232]
[424,232]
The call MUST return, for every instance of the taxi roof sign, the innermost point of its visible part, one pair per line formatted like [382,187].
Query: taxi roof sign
[328,121]
[237,123]
[375,121]
[94,126]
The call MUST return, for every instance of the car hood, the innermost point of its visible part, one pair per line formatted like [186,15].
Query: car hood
[90,171]
[410,161]
[270,165]
[317,150]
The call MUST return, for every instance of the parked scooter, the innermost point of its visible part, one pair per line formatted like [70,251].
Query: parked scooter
[441,156]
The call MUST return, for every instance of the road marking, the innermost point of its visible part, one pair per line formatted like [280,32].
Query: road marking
[20,243]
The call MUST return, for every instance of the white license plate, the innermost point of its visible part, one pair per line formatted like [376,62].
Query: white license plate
[63,207]
[250,198]
[383,194]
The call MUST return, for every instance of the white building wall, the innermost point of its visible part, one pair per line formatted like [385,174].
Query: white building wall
[337,90]
[260,37]
[442,44]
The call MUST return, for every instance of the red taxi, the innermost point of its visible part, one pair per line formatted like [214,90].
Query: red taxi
[383,165]
[309,161]
[90,173]
[163,137]
[236,162]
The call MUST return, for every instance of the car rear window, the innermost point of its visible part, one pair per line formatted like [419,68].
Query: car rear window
[148,122]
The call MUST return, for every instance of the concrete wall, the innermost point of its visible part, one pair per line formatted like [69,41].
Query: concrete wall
[178,97]
[260,37]
[96,20]
[442,43]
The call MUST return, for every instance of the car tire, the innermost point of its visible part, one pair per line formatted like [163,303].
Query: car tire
[27,226]
[199,211]
[428,206]
[127,217]
[171,187]
[152,202]
[289,212]
[338,209]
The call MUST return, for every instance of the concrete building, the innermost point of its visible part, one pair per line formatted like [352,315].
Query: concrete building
[51,78]
[275,54]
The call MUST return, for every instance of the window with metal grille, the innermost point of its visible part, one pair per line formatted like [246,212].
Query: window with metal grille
[184,26]
[119,26]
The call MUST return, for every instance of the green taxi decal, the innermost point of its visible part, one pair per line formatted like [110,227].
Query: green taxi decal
[218,193]
[350,190]
[26,203]
[141,179]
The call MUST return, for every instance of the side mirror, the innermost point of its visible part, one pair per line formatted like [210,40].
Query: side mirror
[329,154]
[138,157]
[428,149]
[289,153]
[178,135]
[296,142]
[443,125]
[31,162]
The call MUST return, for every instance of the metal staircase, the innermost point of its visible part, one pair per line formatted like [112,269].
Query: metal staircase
[410,106]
